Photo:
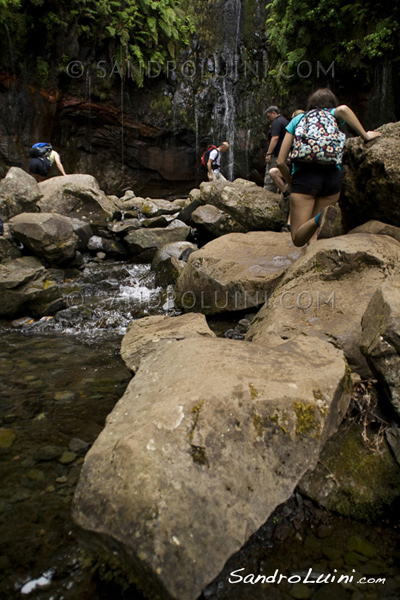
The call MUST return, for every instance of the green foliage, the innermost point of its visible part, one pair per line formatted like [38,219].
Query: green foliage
[137,31]
[353,35]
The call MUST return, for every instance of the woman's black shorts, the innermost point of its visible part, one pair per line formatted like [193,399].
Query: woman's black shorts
[39,166]
[316,180]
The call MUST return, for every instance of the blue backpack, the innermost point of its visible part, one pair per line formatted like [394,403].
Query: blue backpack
[40,150]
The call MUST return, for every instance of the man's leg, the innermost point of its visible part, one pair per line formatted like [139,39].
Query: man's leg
[268,183]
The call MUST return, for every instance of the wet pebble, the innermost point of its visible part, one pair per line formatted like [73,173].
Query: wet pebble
[49,453]
[300,591]
[36,475]
[7,437]
[65,396]
[361,546]
[78,446]
[324,531]
[67,458]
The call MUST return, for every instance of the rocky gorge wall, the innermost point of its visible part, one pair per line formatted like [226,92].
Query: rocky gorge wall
[151,138]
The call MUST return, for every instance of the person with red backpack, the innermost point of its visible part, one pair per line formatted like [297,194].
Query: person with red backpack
[316,144]
[212,159]
[42,157]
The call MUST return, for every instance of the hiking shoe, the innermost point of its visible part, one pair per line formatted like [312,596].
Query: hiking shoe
[330,223]
[286,229]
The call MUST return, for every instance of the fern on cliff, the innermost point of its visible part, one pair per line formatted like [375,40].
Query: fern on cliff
[139,31]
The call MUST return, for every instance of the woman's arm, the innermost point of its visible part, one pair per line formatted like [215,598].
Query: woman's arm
[345,113]
[58,162]
[283,155]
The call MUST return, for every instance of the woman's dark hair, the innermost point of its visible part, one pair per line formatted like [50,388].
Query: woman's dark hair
[322,98]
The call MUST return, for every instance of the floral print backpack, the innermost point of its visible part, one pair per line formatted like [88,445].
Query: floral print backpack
[317,139]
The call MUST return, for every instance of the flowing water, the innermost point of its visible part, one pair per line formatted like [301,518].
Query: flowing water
[60,377]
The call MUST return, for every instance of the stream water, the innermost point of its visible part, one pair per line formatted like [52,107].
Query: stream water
[60,378]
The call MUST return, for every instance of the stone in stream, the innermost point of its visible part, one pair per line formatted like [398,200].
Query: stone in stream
[235,272]
[19,192]
[326,292]
[210,436]
[48,235]
[144,243]
[25,285]
[169,261]
[381,338]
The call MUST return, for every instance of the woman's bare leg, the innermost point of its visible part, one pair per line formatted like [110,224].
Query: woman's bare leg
[303,210]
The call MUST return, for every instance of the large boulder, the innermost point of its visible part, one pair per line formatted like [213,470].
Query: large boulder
[253,207]
[149,333]
[210,436]
[235,272]
[326,292]
[353,479]
[8,249]
[169,261]
[211,220]
[144,243]
[76,196]
[372,177]
[379,228]
[19,192]
[25,285]
[48,235]
[150,207]
[381,337]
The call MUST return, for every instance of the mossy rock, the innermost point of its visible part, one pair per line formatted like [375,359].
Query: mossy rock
[353,480]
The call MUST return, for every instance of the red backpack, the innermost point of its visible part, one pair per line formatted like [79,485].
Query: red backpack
[206,155]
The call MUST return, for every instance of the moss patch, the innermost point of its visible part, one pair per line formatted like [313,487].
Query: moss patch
[307,424]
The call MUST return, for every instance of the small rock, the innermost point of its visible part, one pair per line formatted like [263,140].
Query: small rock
[50,489]
[48,453]
[67,458]
[360,545]
[324,531]
[36,475]
[331,553]
[62,479]
[78,446]
[300,591]
[65,396]
[7,437]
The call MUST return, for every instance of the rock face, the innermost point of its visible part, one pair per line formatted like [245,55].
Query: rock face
[363,484]
[381,338]
[251,206]
[19,192]
[144,335]
[372,189]
[194,459]
[25,284]
[327,291]
[379,228]
[49,236]
[76,196]
[235,272]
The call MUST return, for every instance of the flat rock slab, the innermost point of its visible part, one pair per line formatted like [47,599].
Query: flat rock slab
[235,272]
[210,436]
[327,291]
[146,334]
[381,338]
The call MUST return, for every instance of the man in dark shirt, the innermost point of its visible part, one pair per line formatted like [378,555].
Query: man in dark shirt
[276,134]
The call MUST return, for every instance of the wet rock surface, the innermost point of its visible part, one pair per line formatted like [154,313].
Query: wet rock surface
[381,338]
[326,292]
[235,272]
[214,439]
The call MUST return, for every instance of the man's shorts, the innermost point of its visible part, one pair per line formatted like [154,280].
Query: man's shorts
[39,166]
[316,180]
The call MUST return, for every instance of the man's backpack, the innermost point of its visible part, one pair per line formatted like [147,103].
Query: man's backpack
[40,150]
[317,139]
[206,155]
